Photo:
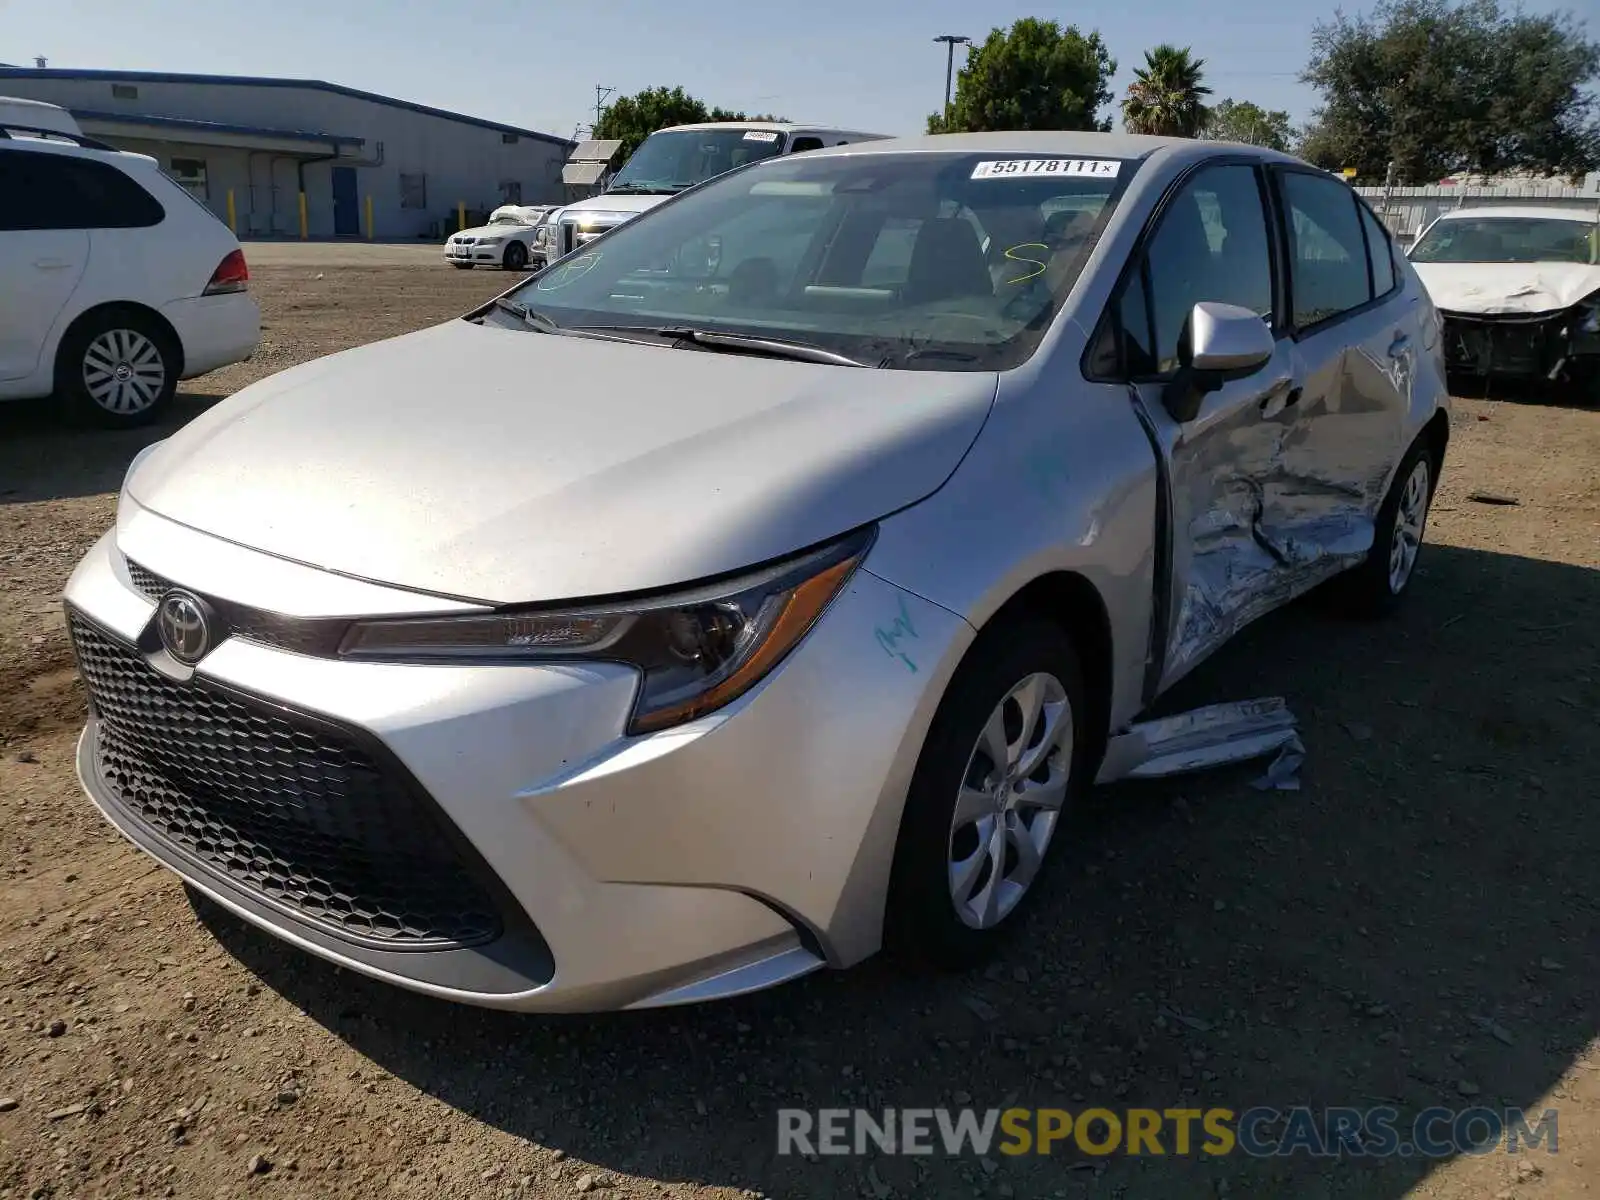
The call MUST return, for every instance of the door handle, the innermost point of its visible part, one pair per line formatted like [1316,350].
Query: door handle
[1401,343]
[52,264]
[1279,398]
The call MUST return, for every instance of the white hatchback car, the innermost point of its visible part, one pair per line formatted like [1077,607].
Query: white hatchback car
[115,283]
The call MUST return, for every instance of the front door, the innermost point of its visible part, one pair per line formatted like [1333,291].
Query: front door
[1223,467]
[346,204]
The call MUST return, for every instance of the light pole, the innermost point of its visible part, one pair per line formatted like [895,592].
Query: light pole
[951,41]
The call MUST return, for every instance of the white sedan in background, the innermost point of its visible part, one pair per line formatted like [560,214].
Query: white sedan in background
[506,241]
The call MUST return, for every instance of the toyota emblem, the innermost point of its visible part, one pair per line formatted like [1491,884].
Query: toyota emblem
[184,626]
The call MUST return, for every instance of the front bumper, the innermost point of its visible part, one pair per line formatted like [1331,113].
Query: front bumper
[725,855]
[491,255]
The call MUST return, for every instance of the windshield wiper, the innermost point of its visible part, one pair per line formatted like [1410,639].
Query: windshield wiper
[927,352]
[537,320]
[517,309]
[643,189]
[743,343]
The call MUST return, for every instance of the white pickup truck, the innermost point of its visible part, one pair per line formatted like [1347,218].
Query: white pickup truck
[673,159]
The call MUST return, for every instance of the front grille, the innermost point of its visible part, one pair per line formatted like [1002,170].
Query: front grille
[147,581]
[297,814]
[316,636]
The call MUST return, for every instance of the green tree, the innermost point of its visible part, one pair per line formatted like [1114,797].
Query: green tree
[1035,75]
[1439,87]
[1242,121]
[631,119]
[1166,96]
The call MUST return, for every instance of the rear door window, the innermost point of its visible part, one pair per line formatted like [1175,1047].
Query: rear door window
[1328,269]
[1380,253]
[56,191]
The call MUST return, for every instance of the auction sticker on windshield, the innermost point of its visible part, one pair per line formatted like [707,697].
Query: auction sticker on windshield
[1103,168]
[760,135]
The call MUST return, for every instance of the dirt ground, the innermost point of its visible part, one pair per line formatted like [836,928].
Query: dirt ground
[1417,926]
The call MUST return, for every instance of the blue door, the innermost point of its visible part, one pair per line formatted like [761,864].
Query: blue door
[346,206]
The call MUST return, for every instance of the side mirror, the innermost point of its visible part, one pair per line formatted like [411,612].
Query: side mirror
[1219,342]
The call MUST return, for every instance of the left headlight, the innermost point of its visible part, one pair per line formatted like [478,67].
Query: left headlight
[696,651]
[490,241]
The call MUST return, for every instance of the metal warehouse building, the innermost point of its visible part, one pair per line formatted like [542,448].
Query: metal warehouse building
[266,142]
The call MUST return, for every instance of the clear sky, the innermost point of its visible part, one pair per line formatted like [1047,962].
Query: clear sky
[864,64]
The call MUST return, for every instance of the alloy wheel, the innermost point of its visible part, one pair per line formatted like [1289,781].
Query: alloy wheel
[1010,800]
[1409,518]
[124,371]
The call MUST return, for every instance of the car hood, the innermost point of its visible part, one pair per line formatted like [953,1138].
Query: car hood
[1505,288]
[500,230]
[505,465]
[625,205]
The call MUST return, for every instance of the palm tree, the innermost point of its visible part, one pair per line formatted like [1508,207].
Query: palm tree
[1165,95]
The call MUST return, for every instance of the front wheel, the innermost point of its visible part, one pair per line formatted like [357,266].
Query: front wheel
[1376,587]
[516,257]
[118,369]
[1004,761]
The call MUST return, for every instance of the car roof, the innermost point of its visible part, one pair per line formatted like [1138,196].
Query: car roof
[1523,211]
[1068,143]
[59,144]
[776,126]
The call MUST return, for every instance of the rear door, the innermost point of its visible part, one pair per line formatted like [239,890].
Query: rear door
[43,254]
[1356,351]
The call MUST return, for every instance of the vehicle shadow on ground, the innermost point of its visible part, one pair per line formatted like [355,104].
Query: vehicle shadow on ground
[1535,393]
[44,456]
[1411,928]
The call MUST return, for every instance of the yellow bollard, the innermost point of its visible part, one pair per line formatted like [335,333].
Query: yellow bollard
[233,216]
[372,230]
[305,226]
[461,215]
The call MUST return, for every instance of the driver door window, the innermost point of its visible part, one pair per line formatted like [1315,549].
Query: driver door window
[1211,245]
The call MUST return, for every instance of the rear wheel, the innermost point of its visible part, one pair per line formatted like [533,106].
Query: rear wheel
[1004,761]
[516,257]
[1376,587]
[118,369]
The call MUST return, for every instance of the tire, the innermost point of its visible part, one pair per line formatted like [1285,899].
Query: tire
[462,266]
[1376,587]
[118,369]
[516,257]
[925,923]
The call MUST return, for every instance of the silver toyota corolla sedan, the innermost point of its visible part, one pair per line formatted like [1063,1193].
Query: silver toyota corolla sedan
[762,585]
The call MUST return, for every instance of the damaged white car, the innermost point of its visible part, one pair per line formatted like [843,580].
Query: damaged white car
[506,241]
[1519,292]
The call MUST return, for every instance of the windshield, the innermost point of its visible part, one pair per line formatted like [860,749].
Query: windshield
[1508,240]
[501,218]
[671,160]
[934,261]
